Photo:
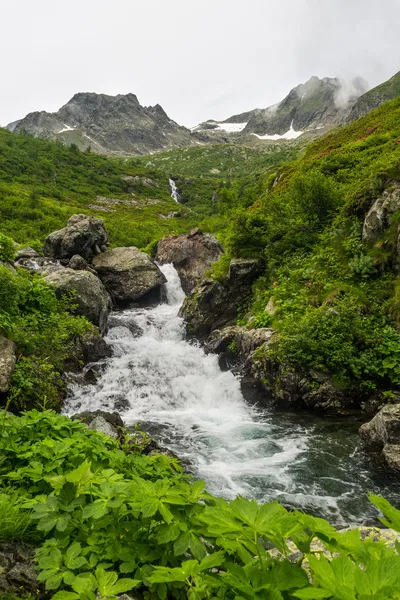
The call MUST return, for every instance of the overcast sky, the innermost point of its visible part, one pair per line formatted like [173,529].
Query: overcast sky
[199,59]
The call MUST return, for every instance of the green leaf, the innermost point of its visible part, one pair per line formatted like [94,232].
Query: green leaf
[197,548]
[312,594]
[63,595]
[212,560]
[182,543]
[95,510]
[168,533]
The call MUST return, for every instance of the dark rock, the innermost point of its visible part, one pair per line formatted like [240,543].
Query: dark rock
[94,348]
[133,183]
[127,273]
[82,235]
[192,255]
[7,362]
[91,298]
[17,570]
[108,423]
[213,305]
[78,263]
[382,434]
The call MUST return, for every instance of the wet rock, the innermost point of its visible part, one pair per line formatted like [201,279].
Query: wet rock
[241,340]
[213,305]
[379,216]
[134,328]
[7,362]
[41,265]
[127,273]
[382,434]
[26,252]
[192,255]
[94,348]
[17,570]
[108,423]
[121,403]
[91,297]
[83,235]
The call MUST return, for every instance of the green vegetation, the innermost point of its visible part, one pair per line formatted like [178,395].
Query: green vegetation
[110,520]
[44,331]
[337,303]
[221,161]
[43,183]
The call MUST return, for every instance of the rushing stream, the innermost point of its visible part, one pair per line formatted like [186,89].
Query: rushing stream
[180,395]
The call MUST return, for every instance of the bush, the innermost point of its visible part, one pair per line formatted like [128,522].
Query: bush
[7,250]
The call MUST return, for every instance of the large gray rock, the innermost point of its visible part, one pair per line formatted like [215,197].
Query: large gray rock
[108,423]
[213,305]
[379,216]
[192,255]
[7,362]
[83,235]
[91,297]
[127,273]
[383,434]
[238,340]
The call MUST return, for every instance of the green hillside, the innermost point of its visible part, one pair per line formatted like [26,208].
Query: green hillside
[337,301]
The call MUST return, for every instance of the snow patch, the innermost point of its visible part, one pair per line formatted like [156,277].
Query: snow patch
[289,135]
[227,127]
[66,128]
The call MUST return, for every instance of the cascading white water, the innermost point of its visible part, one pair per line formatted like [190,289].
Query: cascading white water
[174,190]
[181,396]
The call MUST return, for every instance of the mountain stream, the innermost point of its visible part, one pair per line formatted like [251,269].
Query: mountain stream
[183,399]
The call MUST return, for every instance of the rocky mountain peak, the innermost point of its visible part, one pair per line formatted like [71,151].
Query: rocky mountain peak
[116,125]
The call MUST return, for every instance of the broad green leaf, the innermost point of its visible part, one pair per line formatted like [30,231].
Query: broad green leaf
[312,594]
[212,560]
[63,595]
[182,543]
[168,533]
[196,547]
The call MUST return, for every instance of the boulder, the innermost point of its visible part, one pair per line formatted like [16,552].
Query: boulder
[192,255]
[127,273]
[26,252]
[379,216]
[7,362]
[213,305]
[241,340]
[91,298]
[133,183]
[17,570]
[382,434]
[109,423]
[83,235]
[122,321]
[78,263]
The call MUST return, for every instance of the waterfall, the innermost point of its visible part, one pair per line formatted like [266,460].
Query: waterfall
[174,190]
[180,396]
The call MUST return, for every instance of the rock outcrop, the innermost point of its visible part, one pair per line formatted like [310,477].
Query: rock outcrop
[213,305]
[7,362]
[382,434]
[83,235]
[91,298]
[191,255]
[127,273]
[17,570]
[379,216]
[113,125]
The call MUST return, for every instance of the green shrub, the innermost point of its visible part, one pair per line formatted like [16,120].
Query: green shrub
[7,250]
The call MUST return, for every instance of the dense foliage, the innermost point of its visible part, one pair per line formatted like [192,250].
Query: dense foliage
[336,302]
[44,330]
[111,520]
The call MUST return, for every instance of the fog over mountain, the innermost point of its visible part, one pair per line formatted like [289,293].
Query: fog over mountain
[213,58]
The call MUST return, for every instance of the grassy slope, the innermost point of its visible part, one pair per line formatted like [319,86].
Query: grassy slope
[43,183]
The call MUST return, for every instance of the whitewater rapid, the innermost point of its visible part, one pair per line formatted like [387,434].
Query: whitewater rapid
[180,395]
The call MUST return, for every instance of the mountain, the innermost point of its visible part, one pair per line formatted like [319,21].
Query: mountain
[113,125]
[374,98]
[316,104]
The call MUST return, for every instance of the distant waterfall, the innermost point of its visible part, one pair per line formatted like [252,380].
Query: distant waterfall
[174,190]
